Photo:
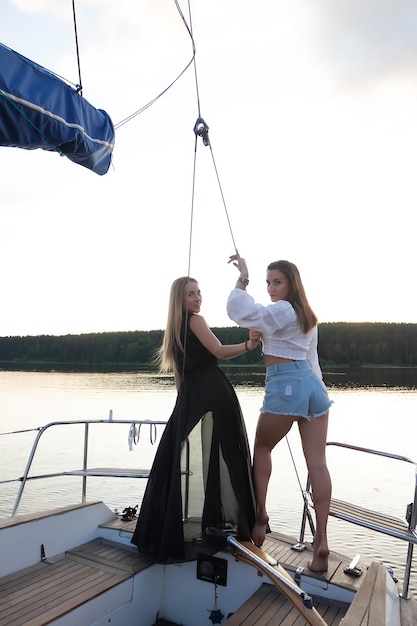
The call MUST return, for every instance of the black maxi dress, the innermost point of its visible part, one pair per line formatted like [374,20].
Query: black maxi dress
[206,411]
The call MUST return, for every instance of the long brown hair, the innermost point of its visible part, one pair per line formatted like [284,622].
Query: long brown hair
[172,335]
[296,294]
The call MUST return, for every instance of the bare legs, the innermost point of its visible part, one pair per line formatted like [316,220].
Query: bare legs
[313,436]
[270,430]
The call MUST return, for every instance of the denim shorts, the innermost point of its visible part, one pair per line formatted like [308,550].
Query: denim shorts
[294,389]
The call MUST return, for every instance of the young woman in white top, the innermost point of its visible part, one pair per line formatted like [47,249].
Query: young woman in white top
[294,389]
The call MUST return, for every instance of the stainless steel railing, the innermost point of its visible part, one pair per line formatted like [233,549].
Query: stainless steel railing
[86,472]
[373,520]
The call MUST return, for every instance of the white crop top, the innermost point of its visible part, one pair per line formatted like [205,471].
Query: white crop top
[278,323]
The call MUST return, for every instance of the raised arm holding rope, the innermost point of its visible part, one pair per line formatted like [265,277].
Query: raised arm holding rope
[294,389]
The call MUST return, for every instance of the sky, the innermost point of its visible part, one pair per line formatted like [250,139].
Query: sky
[311,108]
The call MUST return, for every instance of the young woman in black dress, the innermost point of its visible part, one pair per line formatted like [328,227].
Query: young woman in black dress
[207,412]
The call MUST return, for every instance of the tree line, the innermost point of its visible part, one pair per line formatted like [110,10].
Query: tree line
[340,345]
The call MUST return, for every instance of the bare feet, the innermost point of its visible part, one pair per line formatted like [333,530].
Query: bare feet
[320,562]
[259,530]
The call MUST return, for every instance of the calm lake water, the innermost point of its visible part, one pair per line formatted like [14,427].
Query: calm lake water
[375,409]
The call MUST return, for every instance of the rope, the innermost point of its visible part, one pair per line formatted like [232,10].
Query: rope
[79,86]
[222,195]
[190,31]
[151,102]
[134,434]
[201,129]
[189,251]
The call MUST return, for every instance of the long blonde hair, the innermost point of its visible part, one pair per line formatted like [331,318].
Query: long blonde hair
[172,335]
[296,294]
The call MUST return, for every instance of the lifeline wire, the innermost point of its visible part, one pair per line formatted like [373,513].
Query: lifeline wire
[304,496]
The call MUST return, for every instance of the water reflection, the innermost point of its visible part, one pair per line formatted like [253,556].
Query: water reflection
[399,377]
[361,378]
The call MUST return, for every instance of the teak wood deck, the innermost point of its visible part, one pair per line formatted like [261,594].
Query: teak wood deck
[41,593]
[268,606]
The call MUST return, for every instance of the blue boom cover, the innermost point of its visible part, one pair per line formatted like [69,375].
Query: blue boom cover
[39,110]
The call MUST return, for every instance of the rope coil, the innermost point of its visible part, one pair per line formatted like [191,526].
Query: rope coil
[134,434]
